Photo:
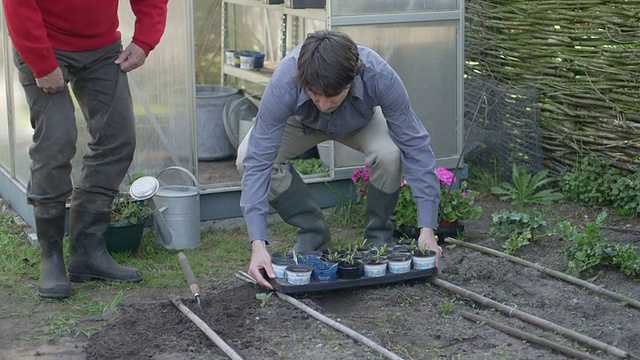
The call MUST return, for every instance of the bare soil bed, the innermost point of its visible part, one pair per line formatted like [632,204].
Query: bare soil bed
[415,320]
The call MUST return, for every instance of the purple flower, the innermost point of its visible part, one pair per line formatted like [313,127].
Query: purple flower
[464,194]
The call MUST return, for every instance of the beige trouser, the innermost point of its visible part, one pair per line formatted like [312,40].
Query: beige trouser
[382,154]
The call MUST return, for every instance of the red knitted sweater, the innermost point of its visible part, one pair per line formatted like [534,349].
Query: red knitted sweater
[37,27]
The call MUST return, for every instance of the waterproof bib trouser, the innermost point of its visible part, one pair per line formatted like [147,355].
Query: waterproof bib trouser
[297,207]
[380,206]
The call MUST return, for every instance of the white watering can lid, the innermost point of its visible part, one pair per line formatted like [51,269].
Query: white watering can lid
[144,188]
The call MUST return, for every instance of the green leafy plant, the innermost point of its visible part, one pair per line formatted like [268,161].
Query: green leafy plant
[518,227]
[348,212]
[264,298]
[484,179]
[586,249]
[351,259]
[309,166]
[455,204]
[526,189]
[591,181]
[380,250]
[126,209]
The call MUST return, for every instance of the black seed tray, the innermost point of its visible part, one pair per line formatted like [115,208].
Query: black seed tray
[283,286]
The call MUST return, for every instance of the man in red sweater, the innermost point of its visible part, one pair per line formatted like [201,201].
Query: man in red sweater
[78,42]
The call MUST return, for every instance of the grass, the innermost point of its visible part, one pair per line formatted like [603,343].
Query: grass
[222,253]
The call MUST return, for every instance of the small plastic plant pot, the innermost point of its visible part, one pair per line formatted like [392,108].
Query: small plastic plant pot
[279,265]
[325,272]
[423,260]
[298,274]
[350,270]
[375,269]
[399,264]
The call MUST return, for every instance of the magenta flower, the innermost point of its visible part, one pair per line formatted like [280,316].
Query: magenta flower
[464,194]
[446,177]
[361,191]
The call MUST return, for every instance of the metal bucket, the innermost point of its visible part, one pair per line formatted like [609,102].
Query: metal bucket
[180,210]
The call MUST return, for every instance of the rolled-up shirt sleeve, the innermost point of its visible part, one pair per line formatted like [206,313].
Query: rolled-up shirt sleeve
[277,105]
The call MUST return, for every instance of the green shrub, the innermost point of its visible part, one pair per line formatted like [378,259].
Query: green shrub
[586,250]
[591,181]
[526,189]
[517,227]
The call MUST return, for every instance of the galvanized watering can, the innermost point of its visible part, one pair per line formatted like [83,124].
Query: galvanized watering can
[176,209]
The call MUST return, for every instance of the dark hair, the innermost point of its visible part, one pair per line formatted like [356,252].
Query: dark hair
[328,62]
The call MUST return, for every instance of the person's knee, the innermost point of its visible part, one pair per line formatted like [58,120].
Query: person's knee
[389,161]
[386,170]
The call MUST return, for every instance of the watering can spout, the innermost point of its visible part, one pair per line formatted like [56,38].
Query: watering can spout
[166,236]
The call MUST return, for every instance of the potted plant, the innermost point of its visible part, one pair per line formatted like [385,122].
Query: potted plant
[298,274]
[399,263]
[279,262]
[325,271]
[351,267]
[126,225]
[422,258]
[375,266]
[456,205]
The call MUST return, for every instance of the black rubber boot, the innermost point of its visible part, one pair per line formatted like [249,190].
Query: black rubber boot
[297,207]
[53,281]
[380,206]
[88,255]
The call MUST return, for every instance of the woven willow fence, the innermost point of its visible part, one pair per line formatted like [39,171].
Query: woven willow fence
[583,57]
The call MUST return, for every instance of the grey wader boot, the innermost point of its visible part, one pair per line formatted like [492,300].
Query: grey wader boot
[88,255]
[50,221]
[380,206]
[297,207]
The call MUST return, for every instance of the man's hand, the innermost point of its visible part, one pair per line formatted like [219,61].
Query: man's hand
[260,259]
[52,82]
[427,240]
[131,58]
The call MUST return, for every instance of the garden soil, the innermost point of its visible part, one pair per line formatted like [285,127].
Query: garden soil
[414,320]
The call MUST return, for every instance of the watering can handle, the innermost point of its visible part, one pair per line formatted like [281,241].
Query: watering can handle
[193,178]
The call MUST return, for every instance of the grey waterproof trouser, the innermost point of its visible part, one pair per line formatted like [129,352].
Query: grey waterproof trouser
[102,92]
[382,154]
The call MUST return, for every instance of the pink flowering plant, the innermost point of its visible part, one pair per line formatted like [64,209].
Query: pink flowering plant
[360,177]
[455,204]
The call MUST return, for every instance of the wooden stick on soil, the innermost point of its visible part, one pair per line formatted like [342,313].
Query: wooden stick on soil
[545,324]
[206,329]
[546,270]
[336,325]
[354,335]
[529,337]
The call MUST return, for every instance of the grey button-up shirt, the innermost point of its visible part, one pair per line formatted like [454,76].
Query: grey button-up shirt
[376,85]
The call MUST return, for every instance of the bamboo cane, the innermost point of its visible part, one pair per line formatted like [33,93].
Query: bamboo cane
[206,329]
[545,324]
[352,334]
[336,325]
[529,337]
[625,299]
